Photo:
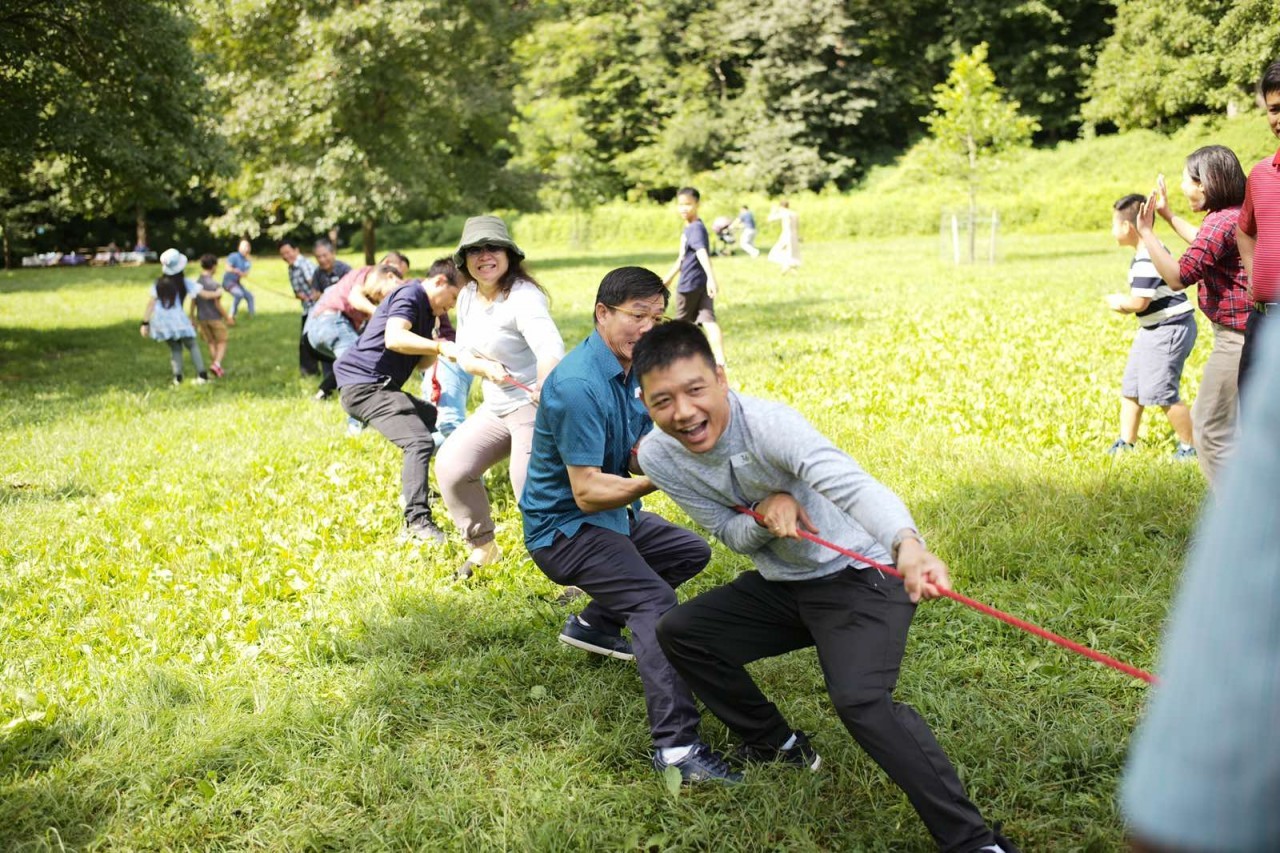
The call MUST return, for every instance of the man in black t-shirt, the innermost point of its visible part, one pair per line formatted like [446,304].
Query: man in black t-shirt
[396,342]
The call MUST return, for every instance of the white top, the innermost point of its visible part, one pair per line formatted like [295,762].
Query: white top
[515,329]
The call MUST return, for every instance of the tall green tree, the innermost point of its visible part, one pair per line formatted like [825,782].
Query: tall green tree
[100,101]
[1041,50]
[973,123]
[359,113]
[808,86]
[1158,66]
[1247,40]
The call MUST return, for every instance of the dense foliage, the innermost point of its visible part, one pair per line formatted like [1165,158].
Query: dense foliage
[1167,61]
[101,105]
[298,116]
[360,113]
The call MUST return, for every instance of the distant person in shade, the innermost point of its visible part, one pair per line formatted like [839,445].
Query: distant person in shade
[235,278]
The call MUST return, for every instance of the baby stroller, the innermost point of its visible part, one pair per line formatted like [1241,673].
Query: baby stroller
[723,228]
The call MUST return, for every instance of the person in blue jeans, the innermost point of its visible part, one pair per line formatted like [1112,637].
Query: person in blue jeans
[448,385]
[233,280]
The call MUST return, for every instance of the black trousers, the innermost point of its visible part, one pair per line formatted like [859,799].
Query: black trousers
[407,422]
[632,581]
[1254,325]
[858,620]
[308,363]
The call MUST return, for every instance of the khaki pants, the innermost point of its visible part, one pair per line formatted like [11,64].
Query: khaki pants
[1213,415]
[480,442]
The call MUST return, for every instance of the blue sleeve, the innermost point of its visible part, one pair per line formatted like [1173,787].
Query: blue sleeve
[696,236]
[577,423]
[405,302]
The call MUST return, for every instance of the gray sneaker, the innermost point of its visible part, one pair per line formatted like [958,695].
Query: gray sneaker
[424,531]
[702,764]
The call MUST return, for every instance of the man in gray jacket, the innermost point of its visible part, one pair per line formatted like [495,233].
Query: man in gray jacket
[715,450]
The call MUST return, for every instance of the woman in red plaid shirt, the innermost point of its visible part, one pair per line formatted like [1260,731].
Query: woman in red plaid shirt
[1213,182]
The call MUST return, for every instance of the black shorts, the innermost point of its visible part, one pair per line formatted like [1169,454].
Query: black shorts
[696,306]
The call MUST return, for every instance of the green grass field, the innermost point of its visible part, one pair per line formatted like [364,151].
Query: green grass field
[209,637]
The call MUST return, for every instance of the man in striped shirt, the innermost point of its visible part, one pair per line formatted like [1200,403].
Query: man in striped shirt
[1259,228]
[1166,334]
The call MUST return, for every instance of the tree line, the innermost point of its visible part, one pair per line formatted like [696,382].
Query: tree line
[269,117]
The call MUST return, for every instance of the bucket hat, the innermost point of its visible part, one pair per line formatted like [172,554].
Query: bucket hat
[173,262]
[484,230]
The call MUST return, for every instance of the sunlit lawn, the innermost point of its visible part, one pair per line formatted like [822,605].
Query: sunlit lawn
[209,636]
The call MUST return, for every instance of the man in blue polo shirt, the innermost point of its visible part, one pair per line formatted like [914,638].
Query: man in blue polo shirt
[396,342]
[582,519]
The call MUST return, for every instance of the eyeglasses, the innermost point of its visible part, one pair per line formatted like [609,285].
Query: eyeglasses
[640,316]
[487,248]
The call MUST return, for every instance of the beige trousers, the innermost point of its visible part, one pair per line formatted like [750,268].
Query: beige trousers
[1213,415]
[480,442]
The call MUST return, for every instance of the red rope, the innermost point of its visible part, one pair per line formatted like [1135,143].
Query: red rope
[1127,669]
[516,382]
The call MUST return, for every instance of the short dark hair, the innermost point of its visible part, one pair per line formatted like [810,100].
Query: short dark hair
[445,267]
[1128,206]
[1217,170]
[400,256]
[690,192]
[208,261]
[626,283]
[667,343]
[284,243]
[324,242]
[1270,82]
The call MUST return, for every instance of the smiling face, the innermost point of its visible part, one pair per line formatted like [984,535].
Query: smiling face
[487,264]
[622,325]
[1193,190]
[289,254]
[689,401]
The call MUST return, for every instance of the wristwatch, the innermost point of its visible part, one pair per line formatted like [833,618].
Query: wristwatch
[908,533]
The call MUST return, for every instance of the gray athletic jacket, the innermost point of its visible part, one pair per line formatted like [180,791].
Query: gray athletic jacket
[769,447]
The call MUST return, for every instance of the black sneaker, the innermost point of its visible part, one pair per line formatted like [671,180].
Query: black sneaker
[801,754]
[584,637]
[702,764]
[1005,844]
[424,531]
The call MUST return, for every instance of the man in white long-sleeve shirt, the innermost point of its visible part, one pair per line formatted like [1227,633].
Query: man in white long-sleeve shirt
[715,450]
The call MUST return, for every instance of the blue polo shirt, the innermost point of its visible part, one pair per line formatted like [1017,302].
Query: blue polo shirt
[590,414]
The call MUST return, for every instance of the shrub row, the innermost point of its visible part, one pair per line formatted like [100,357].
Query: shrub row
[1068,188]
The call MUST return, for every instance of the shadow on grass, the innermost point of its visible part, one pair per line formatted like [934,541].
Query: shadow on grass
[634,259]
[14,492]
[53,279]
[45,371]
[420,706]
[1095,561]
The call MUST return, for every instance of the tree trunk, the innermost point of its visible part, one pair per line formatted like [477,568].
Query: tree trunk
[370,241]
[140,226]
[8,262]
